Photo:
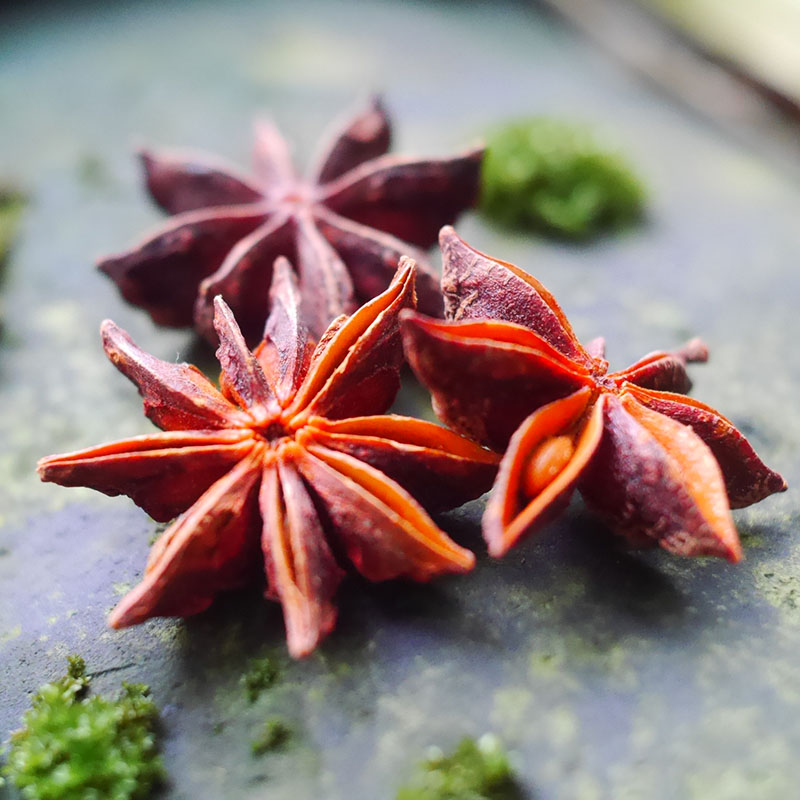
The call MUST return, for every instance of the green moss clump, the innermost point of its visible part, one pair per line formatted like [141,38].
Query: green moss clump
[12,204]
[74,747]
[273,736]
[475,771]
[262,673]
[553,177]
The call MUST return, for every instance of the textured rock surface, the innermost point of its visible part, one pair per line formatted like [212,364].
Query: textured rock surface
[609,674]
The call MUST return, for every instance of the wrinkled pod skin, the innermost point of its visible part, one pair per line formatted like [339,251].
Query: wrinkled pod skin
[506,369]
[343,227]
[290,468]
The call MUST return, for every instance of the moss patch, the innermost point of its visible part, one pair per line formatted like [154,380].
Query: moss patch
[273,736]
[12,204]
[262,673]
[74,747]
[474,771]
[553,176]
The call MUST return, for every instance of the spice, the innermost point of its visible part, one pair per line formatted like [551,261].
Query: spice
[552,176]
[73,747]
[290,457]
[475,771]
[508,370]
[344,227]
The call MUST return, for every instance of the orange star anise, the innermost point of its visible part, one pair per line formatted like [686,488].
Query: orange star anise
[508,370]
[344,227]
[288,455]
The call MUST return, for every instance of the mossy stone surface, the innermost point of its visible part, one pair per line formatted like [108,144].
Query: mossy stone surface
[606,674]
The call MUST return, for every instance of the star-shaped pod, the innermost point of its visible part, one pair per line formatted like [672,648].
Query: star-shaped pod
[507,370]
[344,226]
[290,465]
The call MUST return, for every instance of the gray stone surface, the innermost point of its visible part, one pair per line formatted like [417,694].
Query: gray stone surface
[608,674]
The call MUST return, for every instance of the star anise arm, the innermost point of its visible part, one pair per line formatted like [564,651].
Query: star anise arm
[596,348]
[162,274]
[242,380]
[286,350]
[747,478]
[210,549]
[408,198]
[358,138]
[665,371]
[176,396]
[476,286]
[302,572]
[355,369]
[163,473]
[272,160]
[656,482]
[325,283]
[539,472]
[372,257]
[184,181]
[439,468]
[385,532]
[243,278]
[487,376]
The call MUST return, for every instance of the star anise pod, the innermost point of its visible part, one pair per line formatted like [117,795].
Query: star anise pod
[344,226]
[289,456]
[508,370]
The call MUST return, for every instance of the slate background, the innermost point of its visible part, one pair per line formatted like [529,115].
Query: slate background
[608,674]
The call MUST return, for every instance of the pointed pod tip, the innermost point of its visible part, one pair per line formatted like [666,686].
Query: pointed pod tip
[448,234]
[111,333]
[120,617]
[496,544]
[694,351]
[375,101]
[406,273]
[301,644]
[282,264]
[404,265]
[466,560]
[733,552]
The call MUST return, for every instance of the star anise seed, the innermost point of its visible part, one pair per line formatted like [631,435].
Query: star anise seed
[507,370]
[344,226]
[292,450]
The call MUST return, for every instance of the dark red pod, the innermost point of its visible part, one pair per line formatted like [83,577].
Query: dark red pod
[507,370]
[293,455]
[344,226]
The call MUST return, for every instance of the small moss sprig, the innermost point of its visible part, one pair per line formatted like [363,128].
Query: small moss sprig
[261,674]
[552,176]
[73,747]
[274,735]
[474,771]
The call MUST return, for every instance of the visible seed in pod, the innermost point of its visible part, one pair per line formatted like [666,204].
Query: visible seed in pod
[546,463]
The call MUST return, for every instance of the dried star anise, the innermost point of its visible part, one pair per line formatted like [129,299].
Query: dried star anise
[344,227]
[508,371]
[288,452]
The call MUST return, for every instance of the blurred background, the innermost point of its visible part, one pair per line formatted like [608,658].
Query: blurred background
[606,674]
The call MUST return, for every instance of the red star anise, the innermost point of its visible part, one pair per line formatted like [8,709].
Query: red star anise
[285,449]
[344,227]
[507,370]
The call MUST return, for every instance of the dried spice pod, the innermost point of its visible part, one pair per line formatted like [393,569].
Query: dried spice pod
[507,370]
[292,457]
[344,226]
